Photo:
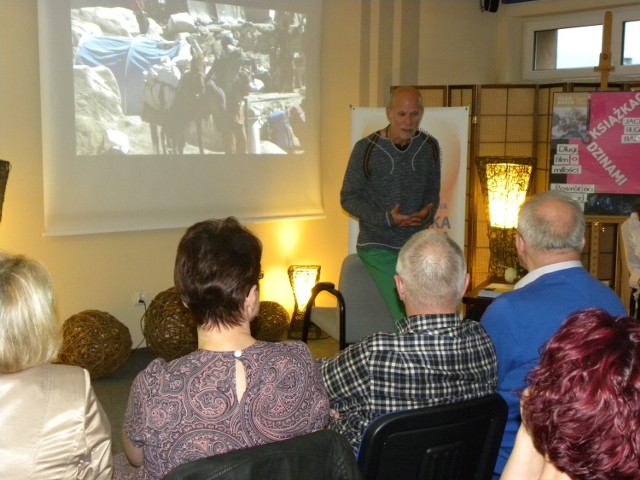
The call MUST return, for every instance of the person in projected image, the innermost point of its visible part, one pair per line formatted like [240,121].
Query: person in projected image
[231,75]
[581,408]
[234,391]
[392,186]
[52,423]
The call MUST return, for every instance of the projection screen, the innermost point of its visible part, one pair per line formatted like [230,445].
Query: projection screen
[113,72]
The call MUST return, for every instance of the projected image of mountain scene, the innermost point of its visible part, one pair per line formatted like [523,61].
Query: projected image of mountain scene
[172,77]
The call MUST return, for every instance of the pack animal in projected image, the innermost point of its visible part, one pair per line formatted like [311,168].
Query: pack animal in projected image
[161,82]
[172,100]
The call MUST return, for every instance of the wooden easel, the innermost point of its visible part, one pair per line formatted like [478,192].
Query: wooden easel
[604,66]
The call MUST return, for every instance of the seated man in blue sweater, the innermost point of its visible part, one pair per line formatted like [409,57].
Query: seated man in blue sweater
[549,243]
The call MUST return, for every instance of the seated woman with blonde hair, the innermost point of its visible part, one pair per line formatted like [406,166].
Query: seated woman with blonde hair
[52,424]
[581,410]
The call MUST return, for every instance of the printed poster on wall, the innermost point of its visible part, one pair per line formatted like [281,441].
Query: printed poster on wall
[595,150]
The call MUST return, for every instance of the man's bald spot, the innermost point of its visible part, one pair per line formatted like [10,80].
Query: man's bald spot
[405,93]
[558,215]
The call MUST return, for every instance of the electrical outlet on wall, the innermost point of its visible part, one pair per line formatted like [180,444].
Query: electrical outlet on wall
[139,298]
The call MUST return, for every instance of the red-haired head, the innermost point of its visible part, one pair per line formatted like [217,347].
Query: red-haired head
[583,402]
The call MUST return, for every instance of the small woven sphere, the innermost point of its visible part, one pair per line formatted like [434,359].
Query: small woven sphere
[271,323]
[169,328]
[96,341]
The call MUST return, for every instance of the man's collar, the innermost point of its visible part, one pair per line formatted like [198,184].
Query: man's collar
[538,272]
[425,320]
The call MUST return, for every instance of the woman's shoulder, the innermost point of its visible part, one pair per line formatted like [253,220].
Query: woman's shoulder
[156,367]
[284,346]
[293,348]
[60,372]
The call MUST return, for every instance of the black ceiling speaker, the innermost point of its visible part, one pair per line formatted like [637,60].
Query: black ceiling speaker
[489,5]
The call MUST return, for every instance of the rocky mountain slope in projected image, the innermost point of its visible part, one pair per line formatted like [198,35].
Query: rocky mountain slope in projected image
[116,67]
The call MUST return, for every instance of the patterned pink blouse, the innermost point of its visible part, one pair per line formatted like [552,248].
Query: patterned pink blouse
[188,408]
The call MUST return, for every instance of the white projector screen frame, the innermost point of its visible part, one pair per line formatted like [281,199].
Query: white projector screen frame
[117,192]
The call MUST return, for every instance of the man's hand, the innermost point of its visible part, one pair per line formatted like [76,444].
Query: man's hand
[410,221]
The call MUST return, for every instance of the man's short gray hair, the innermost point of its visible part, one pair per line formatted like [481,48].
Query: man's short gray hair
[432,267]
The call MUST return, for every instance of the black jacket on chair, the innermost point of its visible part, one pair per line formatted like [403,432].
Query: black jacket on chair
[322,455]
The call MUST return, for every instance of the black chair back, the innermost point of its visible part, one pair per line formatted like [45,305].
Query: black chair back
[454,442]
[321,455]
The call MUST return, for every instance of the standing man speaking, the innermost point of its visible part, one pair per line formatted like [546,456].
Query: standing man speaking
[392,186]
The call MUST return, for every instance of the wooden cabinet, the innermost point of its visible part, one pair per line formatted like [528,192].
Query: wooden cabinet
[603,255]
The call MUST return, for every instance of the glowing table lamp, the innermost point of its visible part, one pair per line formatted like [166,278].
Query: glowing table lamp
[302,279]
[504,182]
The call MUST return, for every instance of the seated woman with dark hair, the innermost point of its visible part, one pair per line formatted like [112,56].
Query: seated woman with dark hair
[581,410]
[234,391]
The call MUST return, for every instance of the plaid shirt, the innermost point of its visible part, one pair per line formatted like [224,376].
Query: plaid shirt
[434,359]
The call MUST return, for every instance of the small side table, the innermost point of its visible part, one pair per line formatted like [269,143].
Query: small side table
[475,305]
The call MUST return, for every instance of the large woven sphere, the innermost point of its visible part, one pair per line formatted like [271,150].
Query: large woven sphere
[272,322]
[169,328]
[96,341]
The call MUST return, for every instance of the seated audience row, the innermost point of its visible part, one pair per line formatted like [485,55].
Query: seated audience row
[235,392]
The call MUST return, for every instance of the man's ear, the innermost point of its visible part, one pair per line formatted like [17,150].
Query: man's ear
[520,245]
[467,278]
[399,286]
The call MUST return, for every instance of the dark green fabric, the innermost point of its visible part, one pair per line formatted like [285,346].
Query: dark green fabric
[381,265]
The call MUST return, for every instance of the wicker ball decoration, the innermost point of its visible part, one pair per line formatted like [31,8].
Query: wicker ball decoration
[271,323]
[169,328]
[96,341]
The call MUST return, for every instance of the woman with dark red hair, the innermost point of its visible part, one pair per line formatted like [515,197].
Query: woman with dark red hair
[581,410]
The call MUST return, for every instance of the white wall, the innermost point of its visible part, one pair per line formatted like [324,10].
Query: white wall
[458,43]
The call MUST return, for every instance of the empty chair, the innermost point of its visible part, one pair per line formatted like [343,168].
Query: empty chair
[458,441]
[360,309]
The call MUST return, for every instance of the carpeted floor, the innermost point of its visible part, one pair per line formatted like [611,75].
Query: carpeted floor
[113,391]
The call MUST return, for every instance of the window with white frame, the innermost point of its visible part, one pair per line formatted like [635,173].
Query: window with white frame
[569,46]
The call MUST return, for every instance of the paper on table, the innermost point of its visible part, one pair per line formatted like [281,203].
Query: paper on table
[494,290]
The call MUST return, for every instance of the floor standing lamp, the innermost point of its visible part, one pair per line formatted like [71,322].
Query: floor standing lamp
[504,182]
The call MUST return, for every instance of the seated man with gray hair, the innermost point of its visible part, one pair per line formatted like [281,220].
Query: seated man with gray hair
[549,243]
[435,358]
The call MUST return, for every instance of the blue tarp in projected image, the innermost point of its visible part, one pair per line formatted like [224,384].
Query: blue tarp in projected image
[128,59]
